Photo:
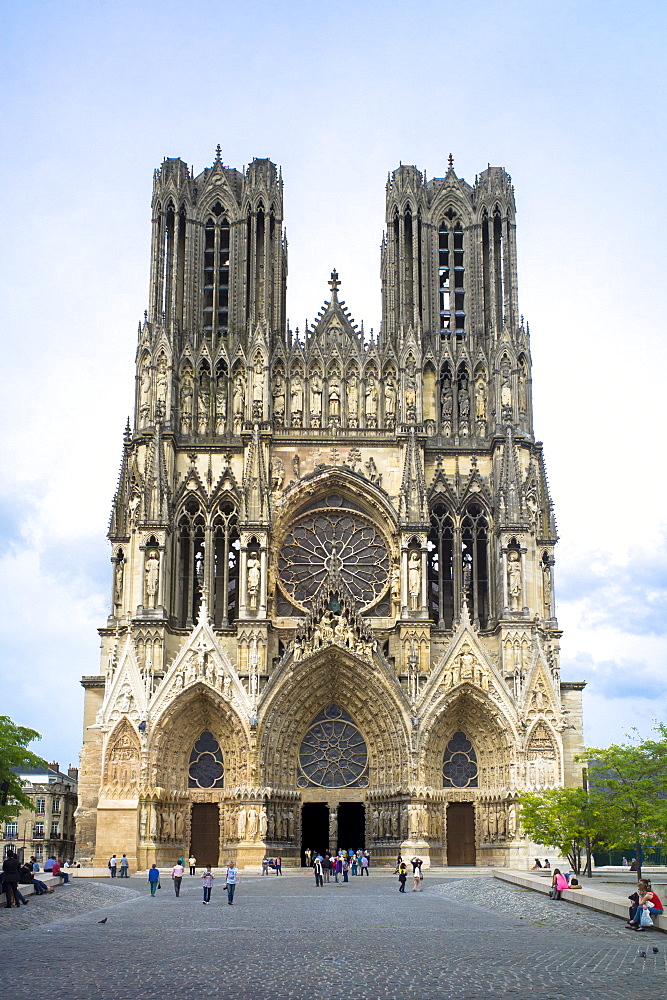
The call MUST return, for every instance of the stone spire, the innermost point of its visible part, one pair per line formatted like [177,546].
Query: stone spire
[413,505]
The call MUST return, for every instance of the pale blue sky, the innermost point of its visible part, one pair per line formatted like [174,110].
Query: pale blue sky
[567,96]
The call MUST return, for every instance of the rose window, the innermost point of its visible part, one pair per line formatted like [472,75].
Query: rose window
[334,540]
[459,763]
[333,752]
[206,768]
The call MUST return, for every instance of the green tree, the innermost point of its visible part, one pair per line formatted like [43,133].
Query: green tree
[630,780]
[14,754]
[568,819]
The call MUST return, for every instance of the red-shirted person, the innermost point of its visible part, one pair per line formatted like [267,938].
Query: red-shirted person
[648,900]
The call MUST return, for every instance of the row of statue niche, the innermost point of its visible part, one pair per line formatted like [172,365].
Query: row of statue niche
[162,824]
[498,822]
[336,411]
[200,665]
[465,669]
[541,772]
[251,823]
[337,629]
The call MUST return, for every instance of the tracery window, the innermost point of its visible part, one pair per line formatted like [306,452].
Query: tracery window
[459,763]
[451,276]
[440,547]
[334,539]
[206,769]
[216,273]
[190,578]
[217,576]
[475,563]
[227,546]
[333,753]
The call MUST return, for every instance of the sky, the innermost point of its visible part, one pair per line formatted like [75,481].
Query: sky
[568,96]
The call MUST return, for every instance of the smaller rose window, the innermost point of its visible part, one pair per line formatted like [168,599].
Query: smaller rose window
[333,752]
[206,768]
[459,763]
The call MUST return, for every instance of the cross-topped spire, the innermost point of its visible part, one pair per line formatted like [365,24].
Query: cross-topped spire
[450,161]
[334,283]
[218,154]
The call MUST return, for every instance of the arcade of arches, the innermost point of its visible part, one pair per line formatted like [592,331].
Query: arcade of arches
[332,618]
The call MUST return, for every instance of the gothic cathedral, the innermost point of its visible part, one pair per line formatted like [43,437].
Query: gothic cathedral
[332,595]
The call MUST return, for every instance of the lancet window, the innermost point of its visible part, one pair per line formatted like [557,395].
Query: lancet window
[475,563]
[458,565]
[190,552]
[441,567]
[493,279]
[216,273]
[451,276]
[170,271]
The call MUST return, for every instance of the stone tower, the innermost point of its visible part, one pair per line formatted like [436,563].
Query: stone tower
[332,599]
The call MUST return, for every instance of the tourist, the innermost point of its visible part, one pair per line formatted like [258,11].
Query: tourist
[364,865]
[417,876]
[546,863]
[624,861]
[207,883]
[27,877]
[634,865]
[336,867]
[308,855]
[558,884]
[279,863]
[113,864]
[177,875]
[58,870]
[346,869]
[319,870]
[265,866]
[355,864]
[232,880]
[48,864]
[402,872]
[326,866]
[10,869]
[538,864]
[34,863]
[192,861]
[648,901]
[573,884]
[154,878]
[124,867]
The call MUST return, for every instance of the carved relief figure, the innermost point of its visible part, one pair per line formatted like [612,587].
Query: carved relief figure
[390,403]
[480,397]
[546,589]
[277,474]
[464,401]
[161,384]
[241,823]
[411,392]
[514,580]
[334,402]
[371,402]
[119,573]
[252,823]
[414,580]
[296,466]
[152,573]
[145,389]
[263,824]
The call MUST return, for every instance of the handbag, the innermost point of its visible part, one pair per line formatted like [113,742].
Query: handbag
[159,885]
[645,919]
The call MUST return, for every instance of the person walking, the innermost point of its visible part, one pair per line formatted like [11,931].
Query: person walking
[355,864]
[279,863]
[192,861]
[177,876]
[207,882]
[265,866]
[326,867]
[154,878]
[346,869]
[11,870]
[402,872]
[232,881]
[363,865]
[319,871]
[124,867]
[113,864]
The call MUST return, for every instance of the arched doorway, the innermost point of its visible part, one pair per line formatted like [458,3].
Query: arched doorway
[205,833]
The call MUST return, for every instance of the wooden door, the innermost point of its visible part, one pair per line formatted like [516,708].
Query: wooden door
[205,833]
[461,834]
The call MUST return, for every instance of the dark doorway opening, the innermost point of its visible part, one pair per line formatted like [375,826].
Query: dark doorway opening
[314,828]
[205,833]
[351,826]
[461,834]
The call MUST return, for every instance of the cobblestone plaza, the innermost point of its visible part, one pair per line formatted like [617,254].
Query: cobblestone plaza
[462,937]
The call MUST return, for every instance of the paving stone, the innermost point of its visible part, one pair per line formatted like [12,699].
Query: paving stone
[476,939]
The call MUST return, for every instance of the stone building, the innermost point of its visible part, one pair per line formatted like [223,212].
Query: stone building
[48,829]
[332,593]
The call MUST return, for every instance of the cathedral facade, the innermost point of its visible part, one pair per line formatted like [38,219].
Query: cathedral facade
[332,611]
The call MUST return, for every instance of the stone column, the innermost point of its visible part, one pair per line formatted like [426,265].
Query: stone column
[524,602]
[262,581]
[243,583]
[404,581]
[424,555]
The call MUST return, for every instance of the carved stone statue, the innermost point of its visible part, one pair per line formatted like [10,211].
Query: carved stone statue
[152,573]
[221,405]
[371,402]
[514,580]
[296,466]
[241,823]
[414,580]
[334,402]
[315,401]
[296,402]
[145,390]
[263,824]
[464,400]
[258,381]
[353,402]
[411,393]
[390,402]
[254,579]
[238,401]
[278,393]
[203,406]
[446,401]
[119,573]
[546,589]
[277,474]
[252,823]
[480,398]
[187,395]
[161,383]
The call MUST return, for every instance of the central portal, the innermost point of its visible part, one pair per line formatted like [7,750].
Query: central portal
[314,828]
[205,833]
[351,826]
